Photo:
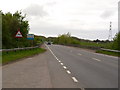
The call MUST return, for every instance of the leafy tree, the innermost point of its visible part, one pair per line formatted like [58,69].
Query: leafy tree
[0,29]
[66,39]
[10,25]
[116,43]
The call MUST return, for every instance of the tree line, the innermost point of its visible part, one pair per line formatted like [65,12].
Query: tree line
[10,25]
[12,22]
[67,39]
[116,43]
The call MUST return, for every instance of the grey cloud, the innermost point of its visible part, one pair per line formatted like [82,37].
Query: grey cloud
[35,10]
[107,14]
[56,30]
[51,3]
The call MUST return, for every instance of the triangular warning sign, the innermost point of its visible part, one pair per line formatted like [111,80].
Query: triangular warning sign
[18,34]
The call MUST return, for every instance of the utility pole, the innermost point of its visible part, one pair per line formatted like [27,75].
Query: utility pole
[110,32]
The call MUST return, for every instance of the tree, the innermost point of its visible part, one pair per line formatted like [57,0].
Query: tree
[66,39]
[116,43]
[10,25]
[0,29]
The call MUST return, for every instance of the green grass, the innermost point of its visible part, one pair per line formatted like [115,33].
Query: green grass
[12,56]
[94,44]
[108,53]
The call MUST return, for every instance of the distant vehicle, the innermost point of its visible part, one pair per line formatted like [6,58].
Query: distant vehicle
[49,43]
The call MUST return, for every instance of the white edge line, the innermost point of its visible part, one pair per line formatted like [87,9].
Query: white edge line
[74,79]
[64,67]
[96,59]
[52,52]
[68,72]
[61,63]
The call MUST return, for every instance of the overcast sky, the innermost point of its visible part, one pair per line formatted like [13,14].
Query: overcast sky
[88,19]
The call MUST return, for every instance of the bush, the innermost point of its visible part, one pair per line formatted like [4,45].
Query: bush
[116,43]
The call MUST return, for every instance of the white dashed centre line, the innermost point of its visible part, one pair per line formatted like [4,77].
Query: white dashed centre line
[64,67]
[52,52]
[74,79]
[57,59]
[61,63]
[96,59]
[68,72]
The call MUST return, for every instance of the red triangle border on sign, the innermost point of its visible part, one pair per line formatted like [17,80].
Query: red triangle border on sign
[20,34]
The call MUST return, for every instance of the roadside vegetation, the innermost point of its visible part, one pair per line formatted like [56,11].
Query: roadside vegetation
[11,22]
[108,53]
[115,45]
[10,25]
[13,56]
[67,39]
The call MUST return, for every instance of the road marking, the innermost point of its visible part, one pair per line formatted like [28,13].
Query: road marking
[52,52]
[96,59]
[57,59]
[64,67]
[105,55]
[79,54]
[74,79]
[68,72]
[61,63]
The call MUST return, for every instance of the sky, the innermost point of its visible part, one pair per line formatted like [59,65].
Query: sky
[86,19]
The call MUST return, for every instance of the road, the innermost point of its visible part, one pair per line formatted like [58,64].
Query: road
[63,67]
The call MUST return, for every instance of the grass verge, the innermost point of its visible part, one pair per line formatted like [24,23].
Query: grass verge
[13,56]
[109,53]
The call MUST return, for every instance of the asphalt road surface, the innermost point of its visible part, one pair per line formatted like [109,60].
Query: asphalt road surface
[90,70]
[63,67]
